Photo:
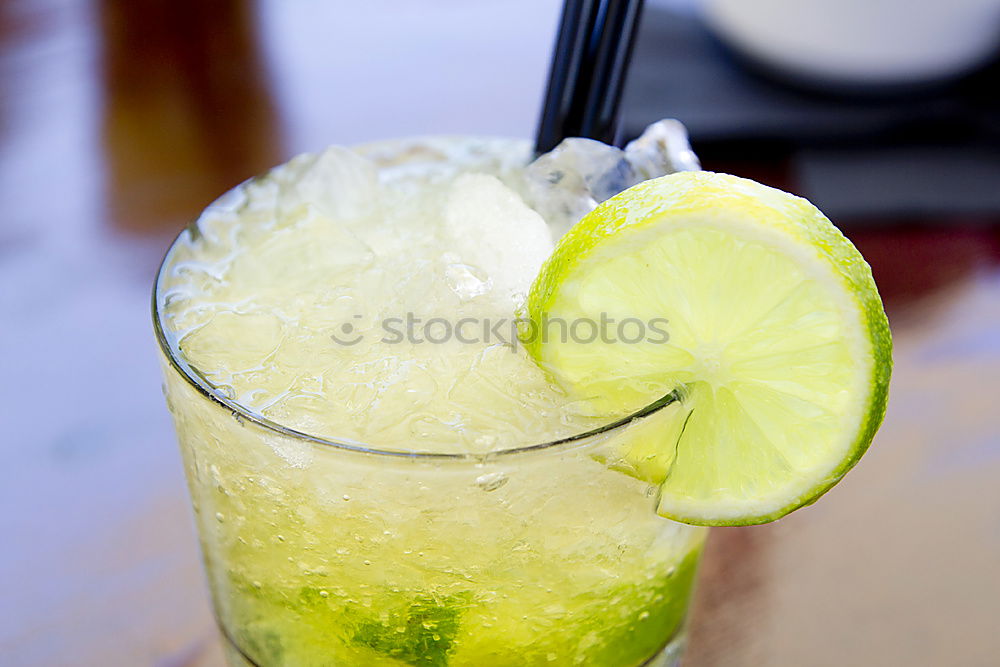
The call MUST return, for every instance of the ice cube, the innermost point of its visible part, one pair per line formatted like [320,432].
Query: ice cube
[570,180]
[338,182]
[259,334]
[490,227]
[466,281]
[662,148]
[574,177]
[401,395]
[311,250]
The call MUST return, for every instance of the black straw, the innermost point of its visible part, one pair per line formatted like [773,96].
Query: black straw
[589,65]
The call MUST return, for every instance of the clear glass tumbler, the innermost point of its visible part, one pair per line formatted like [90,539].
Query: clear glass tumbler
[334,553]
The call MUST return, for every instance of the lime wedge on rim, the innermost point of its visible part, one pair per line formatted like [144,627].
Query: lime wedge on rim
[749,300]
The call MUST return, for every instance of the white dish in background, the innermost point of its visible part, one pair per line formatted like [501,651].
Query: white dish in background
[863,43]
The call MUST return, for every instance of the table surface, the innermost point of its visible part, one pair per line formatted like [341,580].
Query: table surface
[119,121]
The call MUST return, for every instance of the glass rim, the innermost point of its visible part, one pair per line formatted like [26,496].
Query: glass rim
[209,391]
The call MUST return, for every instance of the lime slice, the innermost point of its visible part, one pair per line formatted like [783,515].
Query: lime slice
[753,303]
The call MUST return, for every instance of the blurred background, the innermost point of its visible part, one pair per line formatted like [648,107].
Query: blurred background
[120,120]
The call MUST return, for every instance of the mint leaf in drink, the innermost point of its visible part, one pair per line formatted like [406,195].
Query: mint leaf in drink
[264,646]
[421,634]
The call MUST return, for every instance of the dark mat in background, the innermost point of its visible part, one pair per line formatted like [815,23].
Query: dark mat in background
[871,156]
